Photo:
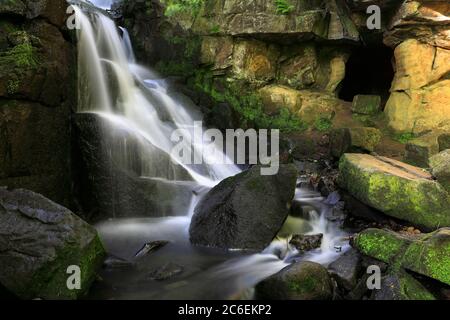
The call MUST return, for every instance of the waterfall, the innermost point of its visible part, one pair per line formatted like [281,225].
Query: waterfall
[134,98]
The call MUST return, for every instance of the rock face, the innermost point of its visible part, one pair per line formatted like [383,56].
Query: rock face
[421,89]
[232,217]
[300,281]
[426,254]
[345,140]
[397,189]
[37,94]
[110,184]
[39,241]
[440,165]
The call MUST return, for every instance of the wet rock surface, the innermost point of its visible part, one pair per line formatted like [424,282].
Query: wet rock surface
[231,217]
[39,241]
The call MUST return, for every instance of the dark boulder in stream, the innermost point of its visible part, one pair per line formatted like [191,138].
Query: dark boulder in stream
[39,242]
[245,211]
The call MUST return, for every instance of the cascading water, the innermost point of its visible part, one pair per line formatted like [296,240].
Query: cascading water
[133,98]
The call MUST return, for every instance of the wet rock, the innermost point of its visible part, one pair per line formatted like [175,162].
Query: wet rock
[109,184]
[300,281]
[440,166]
[39,241]
[347,269]
[113,262]
[425,254]
[245,211]
[366,104]
[397,189]
[166,272]
[150,247]
[401,286]
[305,243]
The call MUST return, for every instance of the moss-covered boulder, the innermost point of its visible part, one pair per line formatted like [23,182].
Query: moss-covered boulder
[300,281]
[440,165]
[397,189]
[245,211]
[426,254]
[366,104]
[401,286]
[39,241]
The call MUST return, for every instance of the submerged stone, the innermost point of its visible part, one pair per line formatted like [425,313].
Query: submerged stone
[426,254]
[397,189]
[39,242]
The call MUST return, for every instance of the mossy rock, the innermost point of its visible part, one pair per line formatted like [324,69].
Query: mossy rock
[397,189]
[401,286]
[301,281]
[366,104]
[419,150]
[444,141]
[426,254]
[39,241]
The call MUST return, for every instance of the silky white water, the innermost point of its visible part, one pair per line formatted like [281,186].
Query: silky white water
[134,98]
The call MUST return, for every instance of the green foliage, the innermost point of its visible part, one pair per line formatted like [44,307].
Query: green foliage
[404,137]
[323,124]
[283,7]
[175,7]
[22,56]
[215,29]
[248,105]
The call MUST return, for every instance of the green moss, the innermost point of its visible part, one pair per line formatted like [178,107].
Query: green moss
[323,124]
[404,137]
[407,199]
[12,86]
[427,254]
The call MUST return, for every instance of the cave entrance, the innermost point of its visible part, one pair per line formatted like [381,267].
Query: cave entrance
[369,71]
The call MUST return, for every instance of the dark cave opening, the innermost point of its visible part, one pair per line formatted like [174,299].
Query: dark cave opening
[369,71]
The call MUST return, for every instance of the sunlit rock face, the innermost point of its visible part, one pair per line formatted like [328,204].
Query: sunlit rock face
[420,92]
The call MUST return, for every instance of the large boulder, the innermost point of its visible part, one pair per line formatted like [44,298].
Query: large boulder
[39,241]
[300,281]
[420,89]
[245,211]
[425,254]
[397,189]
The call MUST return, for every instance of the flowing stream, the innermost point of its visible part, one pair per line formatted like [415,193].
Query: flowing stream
[136,99]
